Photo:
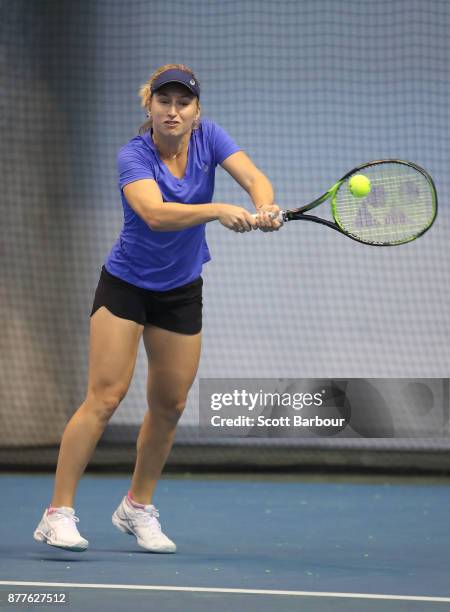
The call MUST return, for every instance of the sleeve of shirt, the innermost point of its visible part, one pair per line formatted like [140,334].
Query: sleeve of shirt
[223,144]
[133,166]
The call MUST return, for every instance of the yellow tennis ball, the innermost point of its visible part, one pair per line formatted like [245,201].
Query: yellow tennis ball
[359,185]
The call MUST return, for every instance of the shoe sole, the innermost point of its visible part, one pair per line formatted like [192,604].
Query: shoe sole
[39,536]
[117,522]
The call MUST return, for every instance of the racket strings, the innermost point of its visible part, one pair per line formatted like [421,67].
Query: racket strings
[399,207]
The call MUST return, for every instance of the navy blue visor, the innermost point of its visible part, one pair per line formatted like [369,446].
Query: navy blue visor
[177,76]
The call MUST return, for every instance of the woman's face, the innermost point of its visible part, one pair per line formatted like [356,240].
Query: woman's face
[174,109]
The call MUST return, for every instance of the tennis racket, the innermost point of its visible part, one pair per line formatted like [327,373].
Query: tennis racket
[400,207]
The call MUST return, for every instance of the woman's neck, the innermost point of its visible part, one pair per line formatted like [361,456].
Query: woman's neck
[170,150]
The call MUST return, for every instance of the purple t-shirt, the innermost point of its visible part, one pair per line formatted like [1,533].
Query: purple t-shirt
[164,260]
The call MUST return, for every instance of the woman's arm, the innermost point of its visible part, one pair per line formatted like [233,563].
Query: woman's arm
[258,187]
[144,196]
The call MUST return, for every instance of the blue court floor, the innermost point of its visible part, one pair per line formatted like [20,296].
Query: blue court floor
[263,543]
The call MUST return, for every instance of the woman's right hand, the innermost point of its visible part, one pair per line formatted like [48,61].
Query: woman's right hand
[236,218]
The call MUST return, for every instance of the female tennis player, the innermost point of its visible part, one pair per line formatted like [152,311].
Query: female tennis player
[151,286]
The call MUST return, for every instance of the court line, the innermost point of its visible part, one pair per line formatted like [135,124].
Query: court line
[138,587]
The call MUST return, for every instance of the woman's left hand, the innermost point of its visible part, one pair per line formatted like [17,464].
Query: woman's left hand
[267,218]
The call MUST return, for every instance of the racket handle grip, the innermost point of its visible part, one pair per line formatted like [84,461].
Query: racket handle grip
[278,217]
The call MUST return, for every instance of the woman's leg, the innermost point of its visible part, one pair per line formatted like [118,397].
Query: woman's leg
[112,357]
[173,363]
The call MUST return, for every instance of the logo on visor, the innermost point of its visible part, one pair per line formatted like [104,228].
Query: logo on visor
[192,82]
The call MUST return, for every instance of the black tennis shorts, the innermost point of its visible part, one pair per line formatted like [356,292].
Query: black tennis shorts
[178,310]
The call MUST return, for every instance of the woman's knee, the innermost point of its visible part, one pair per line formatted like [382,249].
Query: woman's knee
[104,402]
[169,409]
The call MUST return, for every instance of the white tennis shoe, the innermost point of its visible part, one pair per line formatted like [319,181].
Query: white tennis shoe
[143,523]
[58,528]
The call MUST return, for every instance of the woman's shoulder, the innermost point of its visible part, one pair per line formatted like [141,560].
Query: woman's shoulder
[210,132]
[208,126]
[213,130]
[137,146]
[136,143]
